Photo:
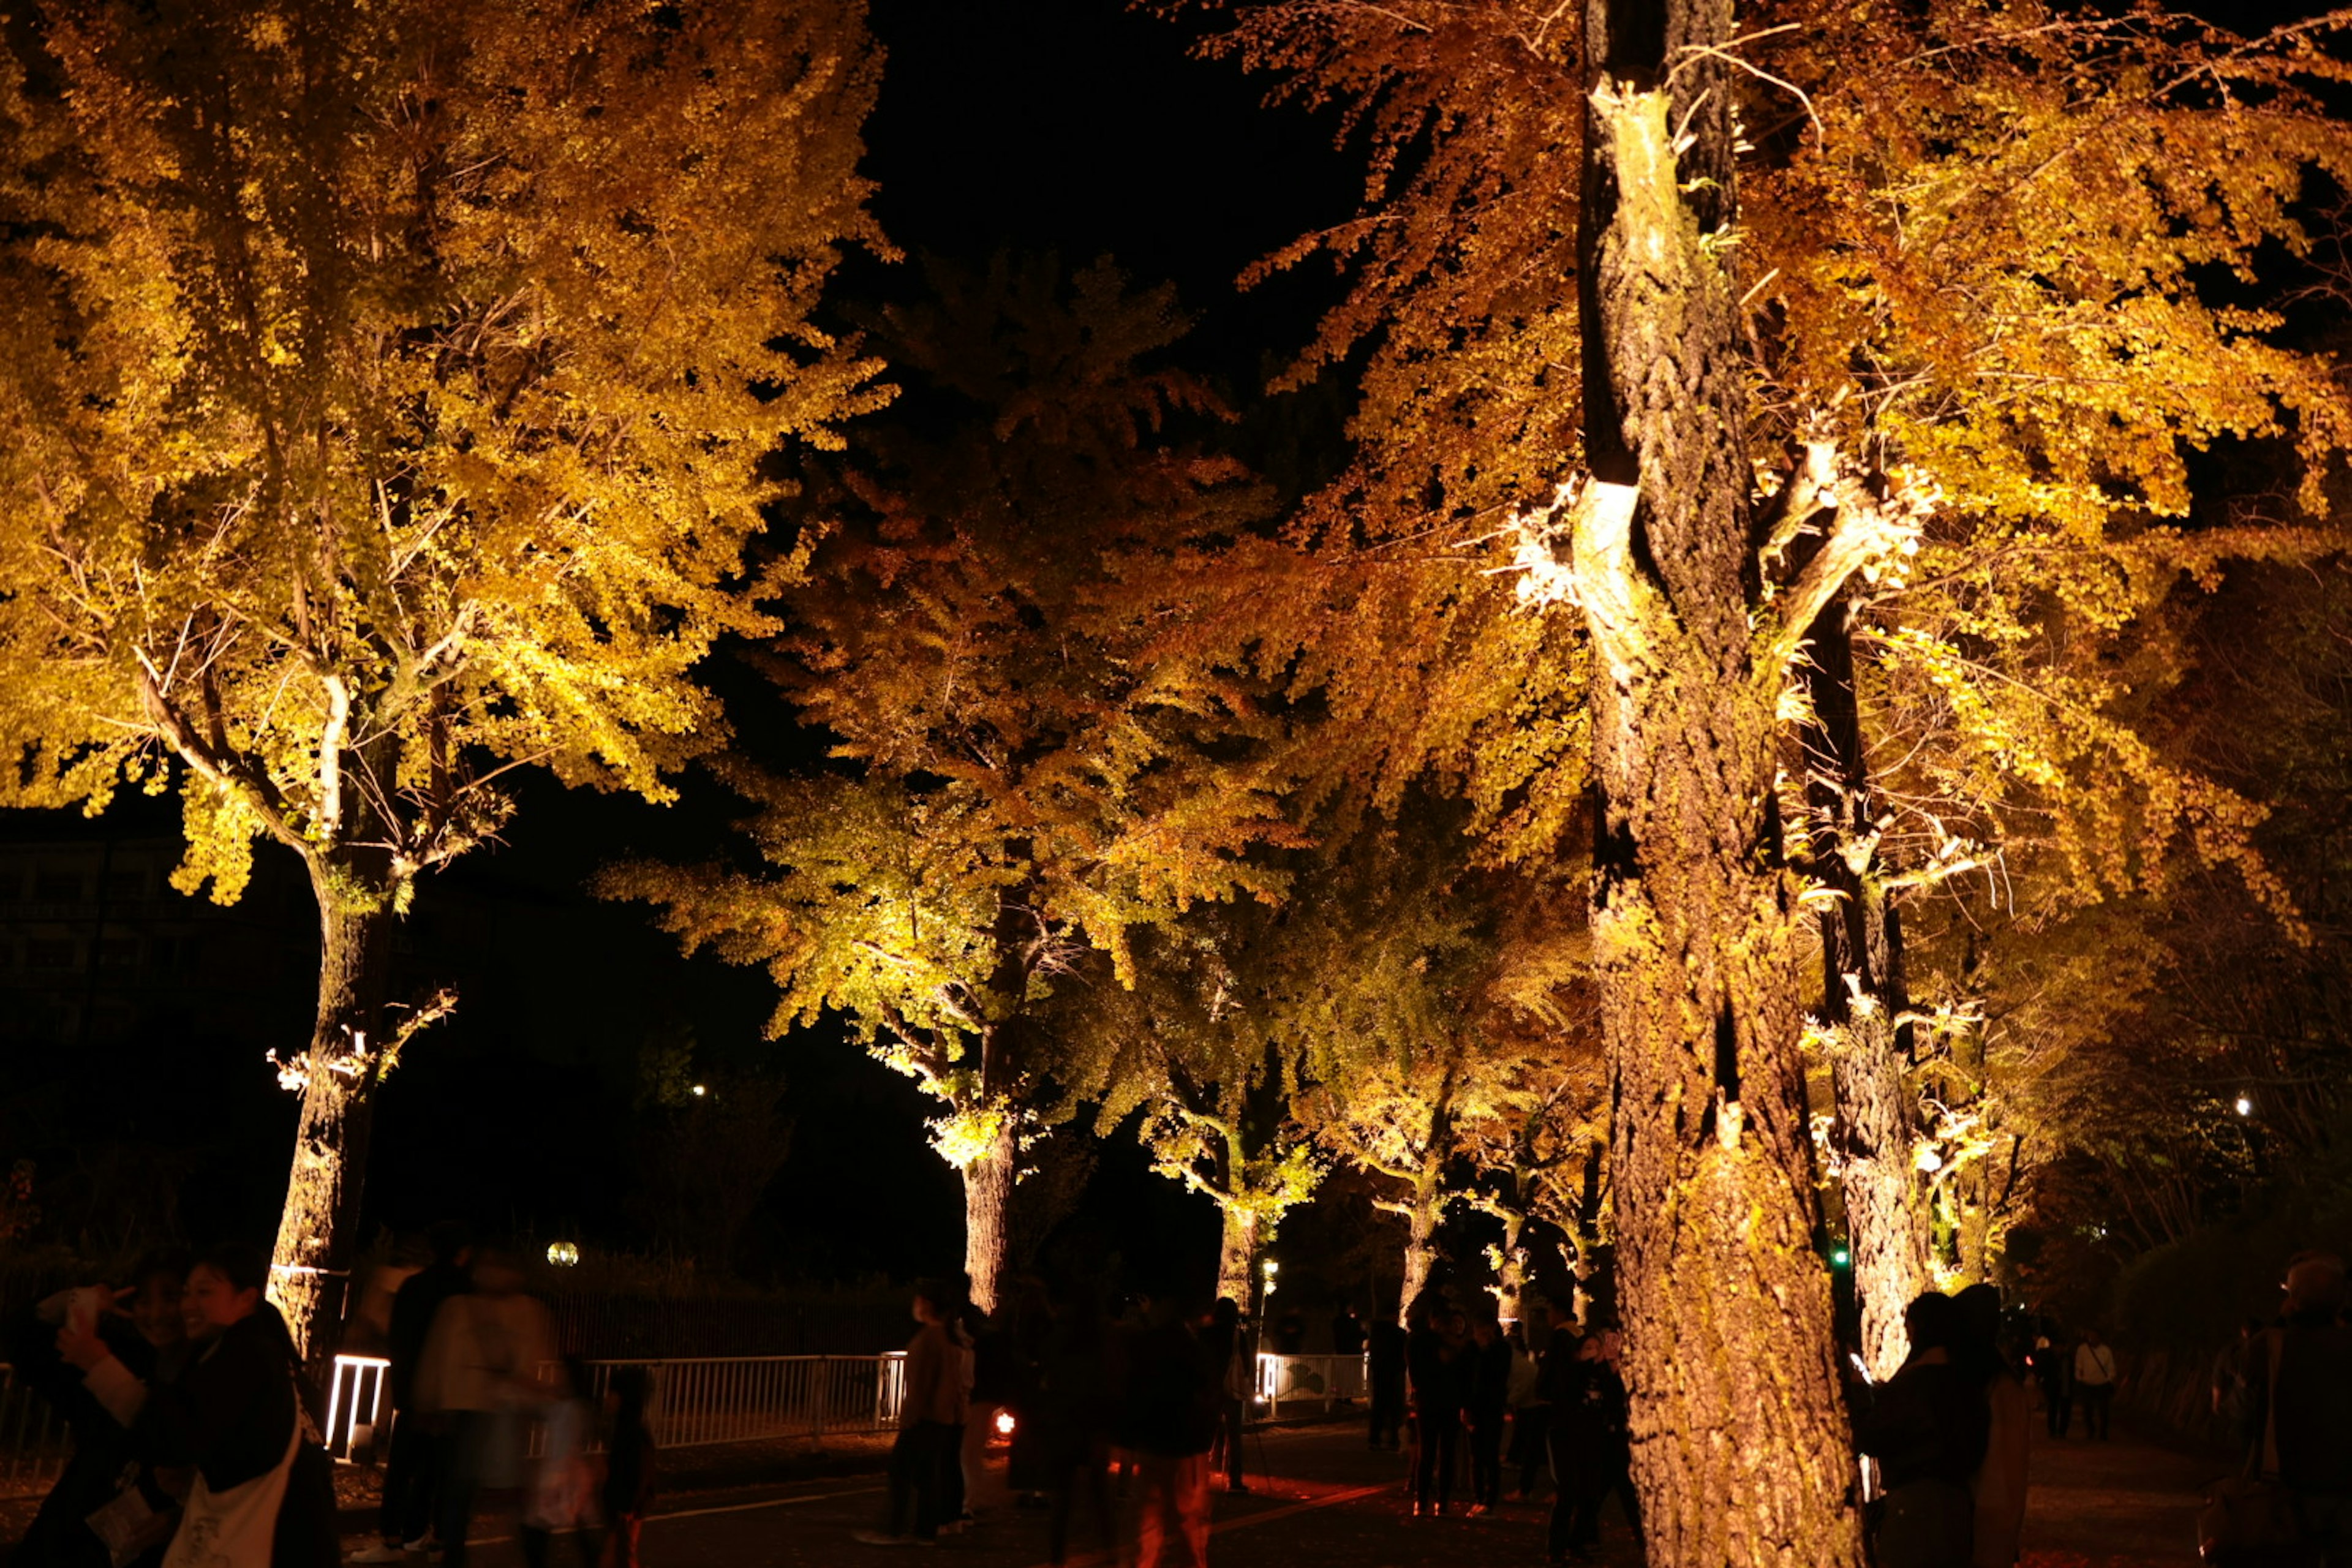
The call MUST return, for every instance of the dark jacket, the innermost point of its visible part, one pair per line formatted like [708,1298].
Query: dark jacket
[1387,1348]
[1928,1422]
[1436,1380]
[232,1411]
[1171,1393]
[2315,1402]
[413,1306]
[1589,1408]
[1490,1379]
[104,1451]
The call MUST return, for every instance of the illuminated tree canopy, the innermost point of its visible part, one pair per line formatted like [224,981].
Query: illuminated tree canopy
[385,396]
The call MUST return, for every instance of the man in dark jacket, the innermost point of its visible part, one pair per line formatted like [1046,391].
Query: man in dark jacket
[2302,1415]
[419,1462]
[1384,1370]
[1169,1422]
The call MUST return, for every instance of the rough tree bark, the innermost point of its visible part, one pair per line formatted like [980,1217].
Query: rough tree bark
[1742,1449]
[1236,1253]
[1424,1208]
[1863,1009]
[988,1215]
[318,1225]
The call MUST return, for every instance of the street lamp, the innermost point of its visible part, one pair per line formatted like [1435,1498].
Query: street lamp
[2245,1105]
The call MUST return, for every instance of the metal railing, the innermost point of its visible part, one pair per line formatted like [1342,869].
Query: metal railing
[694,1399]
[1325,1380]
[33,1442]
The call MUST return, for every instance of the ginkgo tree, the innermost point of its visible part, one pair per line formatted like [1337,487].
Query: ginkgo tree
[383,392]
[1012,788]
[1939,285]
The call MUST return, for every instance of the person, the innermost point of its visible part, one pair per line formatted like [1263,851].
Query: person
[1528,1412]
[1558,1386]
[1927,1427]
[1384,1370]
[631,1462]
[1430,1368]
[1997,1488]
[109,1473]
[562,1498]
[416,1470]
[1229,1356]
[1167,1421]
[262,1497]
[2054,1369]
[1347,1330]
[990,1384]
[1027,1338]
[930,1417]
[1289,1335]
[2232,1386]
[1074,1412]
[2300,1384]
[479,1374]
[2095,1382]
[1591,1449]
[1488,1359]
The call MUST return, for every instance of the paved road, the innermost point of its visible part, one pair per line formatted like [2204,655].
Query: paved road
[1331,1503]
[2129,1502]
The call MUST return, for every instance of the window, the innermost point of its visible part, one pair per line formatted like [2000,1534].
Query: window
[126,884]
[57,887]
[49,953]
[11,884]
[118,953]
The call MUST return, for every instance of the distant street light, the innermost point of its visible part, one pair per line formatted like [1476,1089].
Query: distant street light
[563,1254]
[2245,1106]
[699,1092]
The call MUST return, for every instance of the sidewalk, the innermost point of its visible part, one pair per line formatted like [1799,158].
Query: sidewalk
[2128,1502]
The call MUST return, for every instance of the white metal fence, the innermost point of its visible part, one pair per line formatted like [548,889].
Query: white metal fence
[694,1400]
[1325,1380]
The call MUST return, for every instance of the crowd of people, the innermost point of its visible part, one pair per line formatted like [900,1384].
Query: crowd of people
[196,1446]
[196,1443]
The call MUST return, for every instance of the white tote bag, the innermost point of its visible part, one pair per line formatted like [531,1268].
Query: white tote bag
[238,1528]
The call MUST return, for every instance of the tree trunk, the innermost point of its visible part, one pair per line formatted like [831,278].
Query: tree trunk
[1511,1267]
[318,1229]
[1741,1450]
[1864,1004]
[1236,1253]
[1422,1210]
[988,1215]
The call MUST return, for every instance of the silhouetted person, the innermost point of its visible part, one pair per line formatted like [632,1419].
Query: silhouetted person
[1589,1444]
[1488,1358]
[562,1494]
[1075,1412]
[1168,1418]
[1347,1330]
[1431,1366]
[930,1411]
[141,1329]
[631,1462]
[1385,1372]
[1927,1426]
[2052,1363]
[1228,1346]
[1998,1487]
[418,1464]
[1528,1413]
[2234,1400]
[2095,1382]
[2302,1386]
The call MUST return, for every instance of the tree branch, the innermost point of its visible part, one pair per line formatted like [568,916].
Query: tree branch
[1865,530]
[221,767]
